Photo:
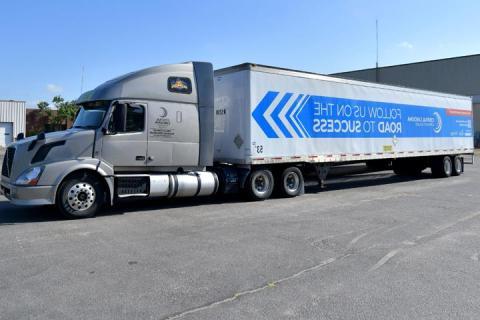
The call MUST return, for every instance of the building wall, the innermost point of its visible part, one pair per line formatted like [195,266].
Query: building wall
[455,75]
[36,122]
[476,122]
[13,111]
[39,122]
[459,75]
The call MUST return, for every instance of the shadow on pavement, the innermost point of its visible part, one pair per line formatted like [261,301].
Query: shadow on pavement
[353,177]
[10,214]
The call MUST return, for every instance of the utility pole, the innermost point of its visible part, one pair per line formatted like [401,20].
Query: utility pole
[376,64]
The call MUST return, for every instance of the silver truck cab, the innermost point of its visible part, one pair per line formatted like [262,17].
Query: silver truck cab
[146,133]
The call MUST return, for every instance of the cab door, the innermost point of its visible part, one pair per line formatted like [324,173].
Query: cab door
[173,134]
[124,144]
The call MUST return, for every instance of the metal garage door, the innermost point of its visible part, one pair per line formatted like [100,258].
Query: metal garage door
[6,133]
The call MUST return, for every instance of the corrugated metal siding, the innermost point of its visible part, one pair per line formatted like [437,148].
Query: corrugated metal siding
[460,75]
[13,111]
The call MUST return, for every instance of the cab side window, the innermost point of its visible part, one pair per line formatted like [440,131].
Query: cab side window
[127,118]
[135,118]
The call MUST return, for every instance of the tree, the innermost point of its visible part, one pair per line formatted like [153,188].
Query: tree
[66,111]
[43,106]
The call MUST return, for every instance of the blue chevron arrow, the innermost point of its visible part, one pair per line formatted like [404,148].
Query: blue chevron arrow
[258,114]
[302,128]
[276,112]
[289,113]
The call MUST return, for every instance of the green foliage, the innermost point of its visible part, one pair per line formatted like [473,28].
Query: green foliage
[43,106]
[66,111]
[31,133]
[45,109]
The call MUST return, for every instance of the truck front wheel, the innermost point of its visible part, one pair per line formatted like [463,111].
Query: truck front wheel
[80,196]
[291,183]
[259,185]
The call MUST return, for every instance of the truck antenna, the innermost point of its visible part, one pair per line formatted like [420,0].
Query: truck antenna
[81,80]
[376,64]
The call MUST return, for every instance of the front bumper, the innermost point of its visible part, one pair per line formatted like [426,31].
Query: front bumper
[28,195]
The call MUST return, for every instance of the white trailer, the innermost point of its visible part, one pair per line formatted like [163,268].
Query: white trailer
[266,115]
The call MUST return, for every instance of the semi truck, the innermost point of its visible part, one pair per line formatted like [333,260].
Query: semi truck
[183,130]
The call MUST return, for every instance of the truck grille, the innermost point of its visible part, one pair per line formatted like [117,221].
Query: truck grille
[8,162]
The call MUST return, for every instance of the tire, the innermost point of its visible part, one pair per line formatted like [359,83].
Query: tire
[290,182]
[442,167]
[457,166]
[259,185]
[80,197]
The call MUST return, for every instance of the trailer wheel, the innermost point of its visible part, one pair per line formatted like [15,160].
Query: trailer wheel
[259,185]
[80,196]
[291,182]
[457,166]
[442,167]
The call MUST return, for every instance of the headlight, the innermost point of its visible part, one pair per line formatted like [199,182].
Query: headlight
[30,176]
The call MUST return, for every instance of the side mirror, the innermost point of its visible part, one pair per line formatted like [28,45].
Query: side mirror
[20,136]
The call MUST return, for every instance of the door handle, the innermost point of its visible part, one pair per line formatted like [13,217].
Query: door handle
[151,158]
[140,158]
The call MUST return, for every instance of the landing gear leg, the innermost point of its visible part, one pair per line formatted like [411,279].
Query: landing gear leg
[322,172]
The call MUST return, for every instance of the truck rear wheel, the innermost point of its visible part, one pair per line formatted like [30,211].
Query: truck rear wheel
[457,166]
[80,196]
[442,167]
[259,185]
[291,183]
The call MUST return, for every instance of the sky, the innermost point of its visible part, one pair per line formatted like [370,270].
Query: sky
[44,45]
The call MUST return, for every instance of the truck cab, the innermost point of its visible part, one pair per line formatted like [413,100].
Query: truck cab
[146,133]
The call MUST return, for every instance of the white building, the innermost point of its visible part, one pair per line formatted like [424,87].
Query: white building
[12,120]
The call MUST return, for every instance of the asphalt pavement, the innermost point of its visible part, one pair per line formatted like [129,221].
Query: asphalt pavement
[371,246]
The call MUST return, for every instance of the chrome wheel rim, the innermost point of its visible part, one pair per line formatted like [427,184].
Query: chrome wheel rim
[81,196]
[261,184]
[291,181]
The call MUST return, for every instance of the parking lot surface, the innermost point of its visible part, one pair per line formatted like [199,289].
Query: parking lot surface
[372,246]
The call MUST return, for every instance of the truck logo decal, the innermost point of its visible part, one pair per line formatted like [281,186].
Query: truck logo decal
[438,126]
[306,116]
[162,112]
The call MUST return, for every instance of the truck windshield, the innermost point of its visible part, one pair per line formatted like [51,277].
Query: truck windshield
[90,117]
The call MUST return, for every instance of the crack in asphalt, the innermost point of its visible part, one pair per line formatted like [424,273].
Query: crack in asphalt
[419,240]
[326,262]
[271,284]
